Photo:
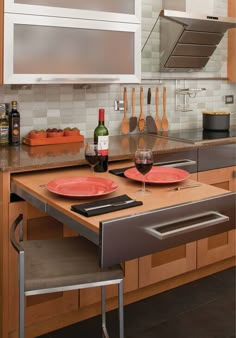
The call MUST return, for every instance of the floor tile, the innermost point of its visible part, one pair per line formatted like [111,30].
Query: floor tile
[201,309]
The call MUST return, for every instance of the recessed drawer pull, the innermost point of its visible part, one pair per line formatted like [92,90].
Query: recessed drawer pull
[177,163]
[185,225]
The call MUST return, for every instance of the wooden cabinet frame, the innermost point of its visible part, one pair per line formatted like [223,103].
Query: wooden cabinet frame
[220,247]
[1,41]
[231,44]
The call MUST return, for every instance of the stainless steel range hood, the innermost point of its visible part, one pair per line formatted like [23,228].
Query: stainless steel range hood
[187,40]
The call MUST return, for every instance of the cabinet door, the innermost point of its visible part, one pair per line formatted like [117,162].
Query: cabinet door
[219,247]
[39,307]
[112,10]
[40,49]
[166,264]
[231,43]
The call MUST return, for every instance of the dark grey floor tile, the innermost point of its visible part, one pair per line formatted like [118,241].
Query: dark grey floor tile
[213,320]
[201,309]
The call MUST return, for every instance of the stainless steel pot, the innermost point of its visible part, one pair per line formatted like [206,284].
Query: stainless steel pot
[216,120]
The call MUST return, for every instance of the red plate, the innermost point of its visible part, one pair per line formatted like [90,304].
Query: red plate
[161,175]
[81,186]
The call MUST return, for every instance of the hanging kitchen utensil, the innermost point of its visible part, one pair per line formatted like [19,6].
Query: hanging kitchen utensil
[141,121]
[125,122]
[150,122]
[133,119]
[164,121]
[157,118]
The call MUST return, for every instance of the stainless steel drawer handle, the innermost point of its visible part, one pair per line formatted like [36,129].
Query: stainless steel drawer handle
[185,225]
[177,163]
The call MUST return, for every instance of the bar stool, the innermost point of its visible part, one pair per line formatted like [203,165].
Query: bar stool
[69,263]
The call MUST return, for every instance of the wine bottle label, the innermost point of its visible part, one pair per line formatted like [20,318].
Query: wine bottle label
[103,145]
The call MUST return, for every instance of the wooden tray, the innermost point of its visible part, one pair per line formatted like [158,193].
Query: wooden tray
[52,140]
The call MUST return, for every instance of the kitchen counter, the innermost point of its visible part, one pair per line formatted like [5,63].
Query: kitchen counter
[25,158]
[142,279]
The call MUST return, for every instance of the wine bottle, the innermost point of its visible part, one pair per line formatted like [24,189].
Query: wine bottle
[14,125]
[101,137]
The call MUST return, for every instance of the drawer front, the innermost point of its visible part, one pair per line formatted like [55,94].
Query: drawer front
[138,235]
[216,157]
[186,160]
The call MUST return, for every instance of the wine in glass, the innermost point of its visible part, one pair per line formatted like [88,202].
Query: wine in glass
[143,163]
[91,154]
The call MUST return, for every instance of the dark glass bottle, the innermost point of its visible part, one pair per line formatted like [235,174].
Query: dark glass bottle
[4,126]
[101,137]
[14,125]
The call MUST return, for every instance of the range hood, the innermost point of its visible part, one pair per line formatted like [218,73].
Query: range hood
[187,40]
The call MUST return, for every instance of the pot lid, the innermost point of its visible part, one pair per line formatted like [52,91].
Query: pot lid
[216,112]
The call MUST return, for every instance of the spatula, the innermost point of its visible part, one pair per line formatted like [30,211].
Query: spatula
[133,119]
[141,121]
[164,121]
[125,122]
[157,118]
[150,122]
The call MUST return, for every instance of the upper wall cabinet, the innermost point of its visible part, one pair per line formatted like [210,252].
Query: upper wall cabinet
[1,41]
[111,10]
[232,43]
[48,41]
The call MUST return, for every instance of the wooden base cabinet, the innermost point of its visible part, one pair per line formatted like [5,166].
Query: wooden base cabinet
[166,264]
[217,248]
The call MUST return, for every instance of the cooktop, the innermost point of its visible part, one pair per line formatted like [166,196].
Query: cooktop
[197,135]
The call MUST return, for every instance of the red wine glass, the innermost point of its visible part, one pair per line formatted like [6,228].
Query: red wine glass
[91,154]
[143,163]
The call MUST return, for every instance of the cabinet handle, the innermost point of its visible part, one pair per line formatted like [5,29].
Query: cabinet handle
[234,174]
[174,228]
[177,163]
[76,80]
[15,243]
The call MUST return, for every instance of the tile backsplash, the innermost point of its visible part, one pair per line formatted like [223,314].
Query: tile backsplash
[45,106]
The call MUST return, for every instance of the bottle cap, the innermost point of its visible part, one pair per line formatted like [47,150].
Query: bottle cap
[101,114]
[14,104]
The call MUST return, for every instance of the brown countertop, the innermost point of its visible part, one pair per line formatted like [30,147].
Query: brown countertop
[26,158]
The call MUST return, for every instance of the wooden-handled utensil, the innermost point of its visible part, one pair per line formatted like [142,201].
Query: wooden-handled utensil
[133,119]
[150,122]
[141,121]
[164,121]
[125,122]
[157,118]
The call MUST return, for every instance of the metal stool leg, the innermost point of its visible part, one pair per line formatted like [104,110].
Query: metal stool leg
[121,309]
[104,326]
[21,296]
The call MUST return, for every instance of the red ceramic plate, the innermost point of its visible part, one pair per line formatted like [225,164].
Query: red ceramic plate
[81,186]
[161,175]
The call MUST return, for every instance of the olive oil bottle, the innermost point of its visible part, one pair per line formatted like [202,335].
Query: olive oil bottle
[14,125]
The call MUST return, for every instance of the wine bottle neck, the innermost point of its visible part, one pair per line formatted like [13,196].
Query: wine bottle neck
[101,116]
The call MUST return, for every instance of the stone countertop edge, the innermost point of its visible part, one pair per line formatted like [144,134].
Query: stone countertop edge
[122,147]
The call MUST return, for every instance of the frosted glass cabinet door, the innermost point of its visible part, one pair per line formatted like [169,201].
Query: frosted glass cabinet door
[56,50]
[121,10]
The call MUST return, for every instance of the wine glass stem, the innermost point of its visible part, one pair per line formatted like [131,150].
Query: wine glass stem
[143,187]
